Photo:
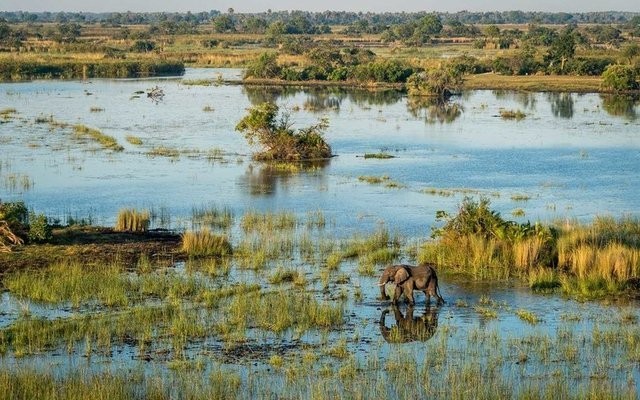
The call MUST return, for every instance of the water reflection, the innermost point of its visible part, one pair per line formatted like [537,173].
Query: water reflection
[322,98]
[561,104]
[621,105]
[433,109]
[409,328]
[527,100]
[265,179]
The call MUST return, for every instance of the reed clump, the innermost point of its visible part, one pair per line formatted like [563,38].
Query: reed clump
[600,258]
[131,220]
[205,243]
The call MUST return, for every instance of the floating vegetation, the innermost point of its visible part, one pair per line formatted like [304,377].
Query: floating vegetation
[381,156]
[7,114]
[520,197]
[518,212]
[384,180]
[134,140]
[511,114]
[108,142]
[163,151]
[130,220]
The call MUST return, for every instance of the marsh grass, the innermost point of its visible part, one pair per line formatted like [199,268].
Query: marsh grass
[380,156]
[266,222]
[383,180]
[131,220]
[163,151]
[512,114]
[281,311]
[73,282]
[212,216]
[106,141]
[205,243]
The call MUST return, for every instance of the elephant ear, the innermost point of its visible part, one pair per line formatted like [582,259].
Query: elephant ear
[401,275]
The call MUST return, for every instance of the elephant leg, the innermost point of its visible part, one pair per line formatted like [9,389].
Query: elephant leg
[408,292]
[396,294]
[428,297]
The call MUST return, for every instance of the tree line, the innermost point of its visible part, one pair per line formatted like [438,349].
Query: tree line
[325,17]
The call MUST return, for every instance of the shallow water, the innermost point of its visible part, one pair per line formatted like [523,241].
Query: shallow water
[573,156]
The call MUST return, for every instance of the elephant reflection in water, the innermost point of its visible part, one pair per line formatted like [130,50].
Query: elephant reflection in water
[409,328]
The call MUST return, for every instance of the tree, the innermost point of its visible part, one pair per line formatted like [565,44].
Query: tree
[631,51]
[620,78]
[279,140]
[223,23]
[562,50]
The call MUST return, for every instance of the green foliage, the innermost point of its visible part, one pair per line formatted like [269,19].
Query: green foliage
[280,142]
[265,66]
[619,78]
[39,228]
[143,46]
[562,50]
[16,70]
[440,82]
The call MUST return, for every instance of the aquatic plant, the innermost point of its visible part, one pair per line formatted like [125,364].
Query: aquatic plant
[512,114]
[205,243]
[131,220]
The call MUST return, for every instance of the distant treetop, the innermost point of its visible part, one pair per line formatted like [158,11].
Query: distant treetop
[327,17]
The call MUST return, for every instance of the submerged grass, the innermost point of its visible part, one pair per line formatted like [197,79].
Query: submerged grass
[108,142]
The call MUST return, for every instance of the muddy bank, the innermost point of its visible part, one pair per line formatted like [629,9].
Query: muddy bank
[95,245]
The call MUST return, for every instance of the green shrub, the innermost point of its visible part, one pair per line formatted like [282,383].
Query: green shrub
[619,78]
[39,228]
[279,141]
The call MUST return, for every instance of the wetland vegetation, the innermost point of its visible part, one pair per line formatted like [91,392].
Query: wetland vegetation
[147,252]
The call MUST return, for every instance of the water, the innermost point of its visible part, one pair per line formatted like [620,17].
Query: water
[570,156]
[574,156]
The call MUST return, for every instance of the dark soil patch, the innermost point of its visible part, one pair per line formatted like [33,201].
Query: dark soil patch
[94,245]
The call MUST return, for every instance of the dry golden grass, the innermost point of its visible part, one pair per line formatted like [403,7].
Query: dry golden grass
[130,220]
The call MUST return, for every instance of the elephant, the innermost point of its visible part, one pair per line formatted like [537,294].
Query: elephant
[409,328]
[408,278]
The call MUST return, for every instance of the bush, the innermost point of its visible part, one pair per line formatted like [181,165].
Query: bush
[265,66]
[39,228]
[279,141]
[620,78]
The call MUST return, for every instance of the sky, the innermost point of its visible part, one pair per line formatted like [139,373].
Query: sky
[318,5]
